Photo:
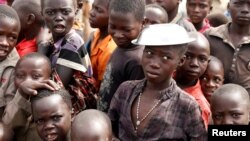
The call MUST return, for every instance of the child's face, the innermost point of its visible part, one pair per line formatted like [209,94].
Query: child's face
[159,63]
[212,79]
[197,57]
[154,16]
[99,14]
[34,69]
[197,10]
[239,11]
[123,28]
[9,30]
[59,16]
[168,5]
[230,109]
[52,117]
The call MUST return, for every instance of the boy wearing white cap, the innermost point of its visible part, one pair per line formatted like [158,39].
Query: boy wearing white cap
[155,108]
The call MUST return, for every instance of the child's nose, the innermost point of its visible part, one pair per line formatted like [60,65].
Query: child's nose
[4,41]
[194,62]
[58,17]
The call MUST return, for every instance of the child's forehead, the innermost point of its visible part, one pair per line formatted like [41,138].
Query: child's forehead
[58,3]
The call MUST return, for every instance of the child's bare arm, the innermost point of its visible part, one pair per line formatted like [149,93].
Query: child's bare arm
[29,87]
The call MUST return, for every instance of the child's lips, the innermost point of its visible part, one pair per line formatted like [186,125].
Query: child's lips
[152,74]
[3,52]
[51,137]
[59,28]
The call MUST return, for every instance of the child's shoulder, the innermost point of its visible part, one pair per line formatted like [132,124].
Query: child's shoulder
[73,39]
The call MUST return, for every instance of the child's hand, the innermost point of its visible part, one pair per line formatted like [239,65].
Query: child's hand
[29,87]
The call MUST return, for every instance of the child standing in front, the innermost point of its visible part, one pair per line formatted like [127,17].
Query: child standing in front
[230,105]
[51,111]
[187,75]
[155,108]
[125,23]
[9,31]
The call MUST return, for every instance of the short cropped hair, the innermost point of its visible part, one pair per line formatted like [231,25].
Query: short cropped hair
[35,56]
[42,93]
[209,2]
[136,7]
[74,3]
[7,11]
[157,6]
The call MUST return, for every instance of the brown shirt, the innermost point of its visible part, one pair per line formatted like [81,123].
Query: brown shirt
[7,87]
[235,59]
[178,116]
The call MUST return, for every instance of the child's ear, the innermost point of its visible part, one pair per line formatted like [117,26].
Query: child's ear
[182,61]
[31,19]
[211,8]
[73,115]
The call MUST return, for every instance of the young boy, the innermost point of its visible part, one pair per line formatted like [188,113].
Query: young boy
[102,45]
[155,14]
[125,23]
[171,7]
[155,108]
[9,30]
[91,125]
[212,78]
[230,43]
[187,75]
[35,67]
[197,11]
[230,104]
[51,111]
[70,60]
[29,12]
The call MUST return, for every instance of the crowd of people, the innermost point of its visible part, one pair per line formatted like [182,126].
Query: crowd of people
[146,72]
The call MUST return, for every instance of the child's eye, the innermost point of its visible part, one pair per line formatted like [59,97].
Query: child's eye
[12,38]
[56,118]
[203,59]
[218,80]
[236,115]
[66,12]
[165,58]
[218,117]
[50,12]
[39,122]
[188,56]
[204,78]
[20,76]
[36,76]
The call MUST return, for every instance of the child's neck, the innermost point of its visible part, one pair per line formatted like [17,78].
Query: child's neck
[172,14]
[158,86]
[103,32]
[239,29]
[185,83]
[198,26]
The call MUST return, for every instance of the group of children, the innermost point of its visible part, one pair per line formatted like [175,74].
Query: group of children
[155,80]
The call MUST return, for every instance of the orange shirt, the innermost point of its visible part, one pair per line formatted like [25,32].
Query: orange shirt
[196,92]
[100,54]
